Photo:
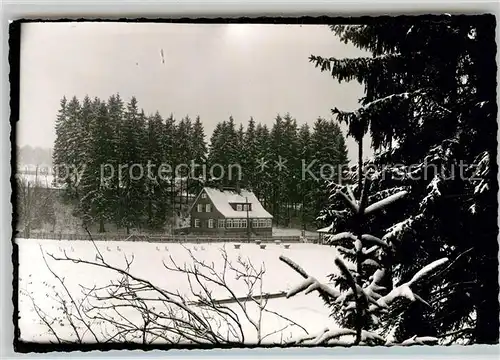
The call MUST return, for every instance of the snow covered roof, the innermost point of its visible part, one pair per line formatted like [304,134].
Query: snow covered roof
[223,198]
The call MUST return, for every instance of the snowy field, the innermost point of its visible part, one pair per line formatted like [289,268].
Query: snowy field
[36,280]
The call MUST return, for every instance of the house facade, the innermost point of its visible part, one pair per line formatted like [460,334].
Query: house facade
[229,212]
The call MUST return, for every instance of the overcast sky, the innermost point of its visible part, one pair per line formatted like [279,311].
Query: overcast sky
[213,71]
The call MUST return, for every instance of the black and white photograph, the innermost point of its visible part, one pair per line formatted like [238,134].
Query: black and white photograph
[265,182]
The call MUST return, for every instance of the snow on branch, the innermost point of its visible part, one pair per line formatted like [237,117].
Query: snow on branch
[342,236]
[385,202]
[373,288]
[371,337]
[347,274]
[326,336]
[404,290]
[348,69]
[309,284]
[426,270]
[375,240]
[422,340]
[345,250]
[396,230]
[371,262]
[366,240]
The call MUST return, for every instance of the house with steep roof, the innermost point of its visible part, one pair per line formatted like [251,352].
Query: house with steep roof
[229,212]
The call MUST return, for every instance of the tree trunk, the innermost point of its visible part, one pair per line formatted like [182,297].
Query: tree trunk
[360,164]
[487,309]
[101,226]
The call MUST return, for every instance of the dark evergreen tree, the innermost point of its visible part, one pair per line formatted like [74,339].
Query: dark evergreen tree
[169,141]
[115,109]
[131,171]
[184,133]
[223,157]
[232,160]
[241,156]
[157,205]
[96,203]
[306,184]
[291,169]
[216,155]
[250,153]
[278,168]
[263,171]
[59,155]
[430,105]
[329,157]
[198,157]
[67,155]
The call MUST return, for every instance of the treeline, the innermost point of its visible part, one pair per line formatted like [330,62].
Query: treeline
[27,155]
[137,170]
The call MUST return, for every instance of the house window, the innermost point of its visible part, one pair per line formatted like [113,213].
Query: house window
[236,223]
[204,196]
[244,223]
[210,223]
[200,207]
[245,207]
[238,207]
[208,208]
[268,222]
[262,223]
[255,223]
[229,223]
[221,224]
[196,223]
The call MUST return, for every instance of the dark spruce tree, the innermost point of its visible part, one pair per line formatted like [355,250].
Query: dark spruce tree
[430,107]
[59,155]
[132,168]
[96,203]
[250,156]
[263,171]
[278,168]
[198,158]
[116,110]
[328,158]
[232,165]
[67,156]
[306,183]
[241,156]
[184,132]
[169,142]
[223,156]
[291,170]
[157,203]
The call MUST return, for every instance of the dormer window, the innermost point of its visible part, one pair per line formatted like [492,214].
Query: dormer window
[238,207]
[204,195]
[245,207]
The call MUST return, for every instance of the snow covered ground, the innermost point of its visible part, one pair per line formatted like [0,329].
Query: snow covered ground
[35,279]
[277,231]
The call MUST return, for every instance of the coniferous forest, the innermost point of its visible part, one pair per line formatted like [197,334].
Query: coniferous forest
[103,151]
